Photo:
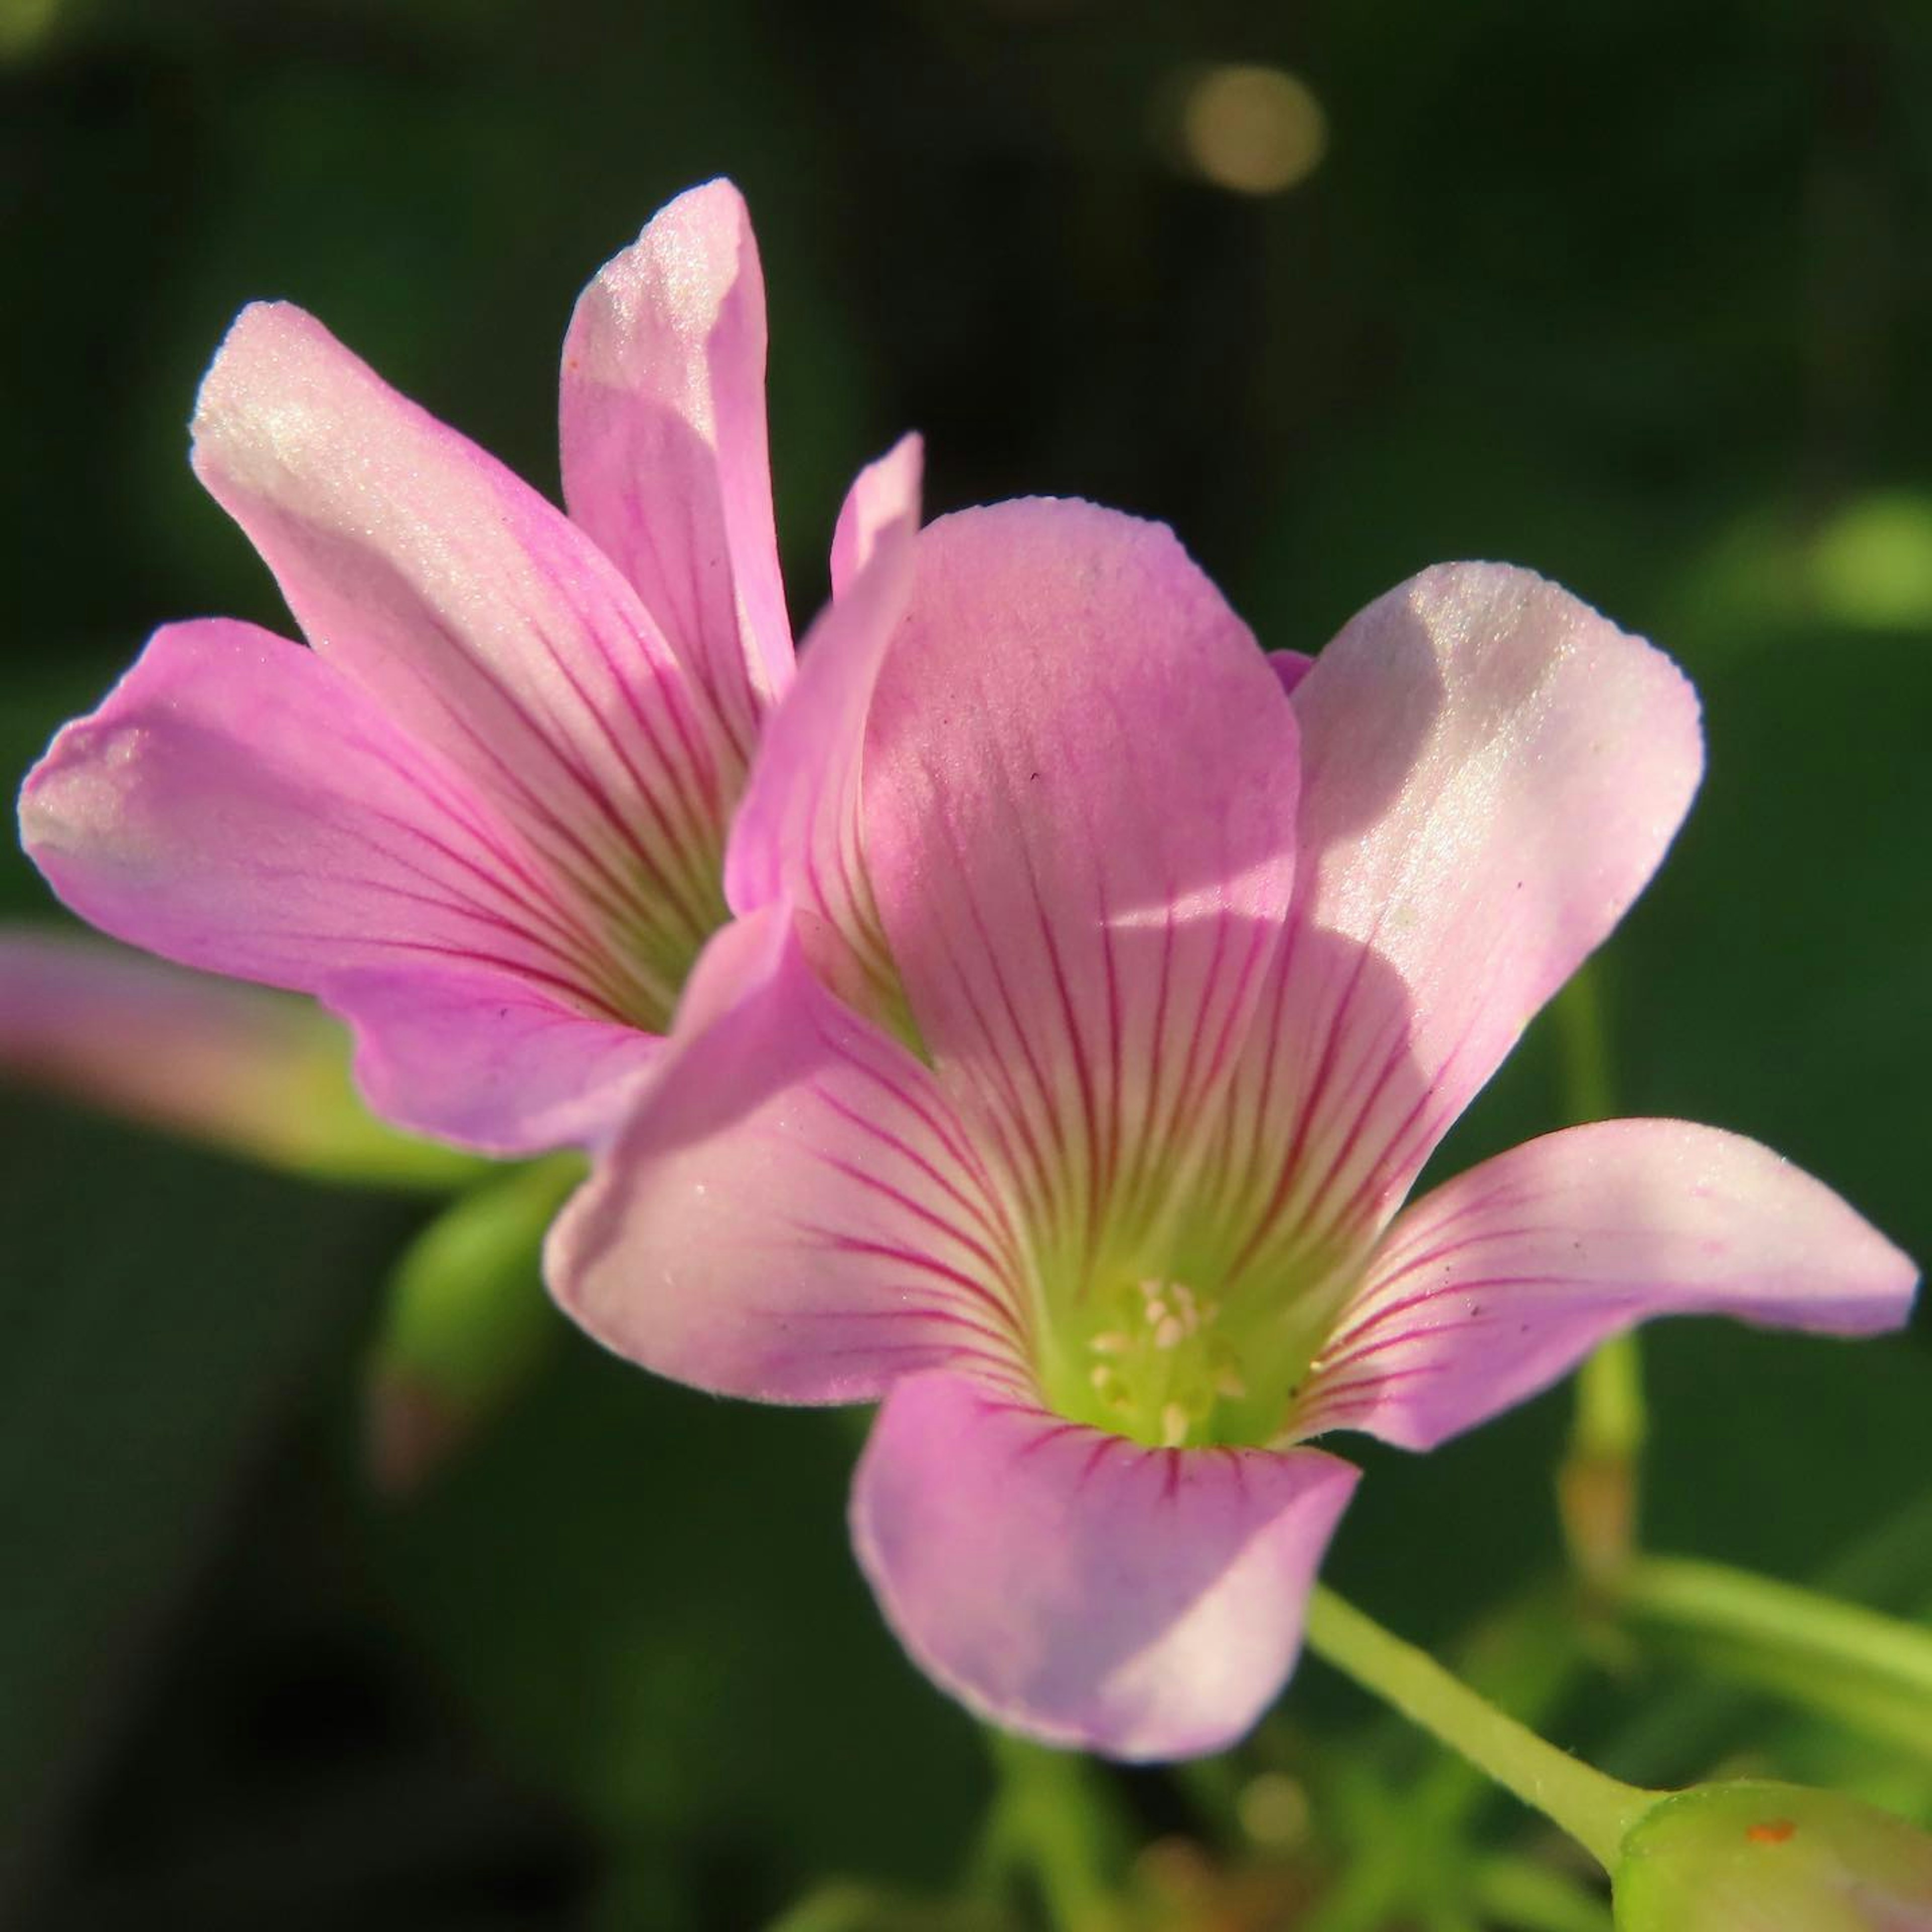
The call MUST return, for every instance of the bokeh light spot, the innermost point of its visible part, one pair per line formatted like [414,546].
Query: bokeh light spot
[1871,564]
[1252,130]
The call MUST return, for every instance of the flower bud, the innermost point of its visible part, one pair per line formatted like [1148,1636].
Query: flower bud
[1751,1857]
[262,1075]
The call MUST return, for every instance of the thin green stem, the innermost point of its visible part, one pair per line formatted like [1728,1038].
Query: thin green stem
[1533,1898]
[1798,1623]
[1051,1820]
[1597,1484]
[1583,1047]
[1596,1810]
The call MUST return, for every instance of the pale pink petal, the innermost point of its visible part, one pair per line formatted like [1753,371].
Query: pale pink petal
[496,1062]
[1491,773]
[797,837]
[1080,784]
[792,1212]
[665,454]
[1497,1284]
[483,622]
[1146,1604]
[239,804]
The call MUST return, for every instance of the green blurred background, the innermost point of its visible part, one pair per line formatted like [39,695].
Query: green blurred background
[1636,293]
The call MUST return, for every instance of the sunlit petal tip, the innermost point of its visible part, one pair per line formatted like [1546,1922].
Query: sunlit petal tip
[255,366]
[664,449]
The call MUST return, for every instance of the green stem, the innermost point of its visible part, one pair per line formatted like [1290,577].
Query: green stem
[1583,1048]
[1051,1820]
[1596,1810]
[1597,1485]
[1799,1623]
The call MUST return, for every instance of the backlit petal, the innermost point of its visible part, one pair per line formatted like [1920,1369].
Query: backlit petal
[1146,1604]
[484,622]
[797,835]
[792,1213]
[1491,773]
[664,455]
[1080,783]
[1498,1283]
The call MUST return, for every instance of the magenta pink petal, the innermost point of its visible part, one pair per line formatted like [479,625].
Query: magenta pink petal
[237,803]
[665,458]
[1491,773]
[792,1212]
[1146,1604]
[1080,784]
[797,837]
[1499,1282]
[1291,667]
[497,1064]
[484,623]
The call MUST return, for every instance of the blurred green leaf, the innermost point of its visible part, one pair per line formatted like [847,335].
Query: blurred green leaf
[162,1314]
[1853,1665]
[647,1598]
[468,1322]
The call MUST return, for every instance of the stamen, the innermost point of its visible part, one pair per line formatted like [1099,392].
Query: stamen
[1157,1374]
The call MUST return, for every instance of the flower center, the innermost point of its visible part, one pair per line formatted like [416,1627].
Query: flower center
[1157,1364]
[1145,1353]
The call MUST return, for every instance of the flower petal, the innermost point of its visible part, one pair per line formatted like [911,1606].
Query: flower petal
[488,1059]
[792,1214]
[1080,783]
[883,494]
[1146,1604]
[797,835]
[1491,773]
[483,622]
[1493,1286]
[239,804]
[236,803]
[665,454]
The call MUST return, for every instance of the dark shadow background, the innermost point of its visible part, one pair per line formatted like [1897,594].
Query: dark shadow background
[1637,293]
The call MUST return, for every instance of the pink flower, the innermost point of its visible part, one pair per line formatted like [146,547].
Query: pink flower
[482,817]
[1166,967]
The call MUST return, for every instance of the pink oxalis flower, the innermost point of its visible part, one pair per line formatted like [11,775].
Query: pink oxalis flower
[482,815]
[1164,967]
